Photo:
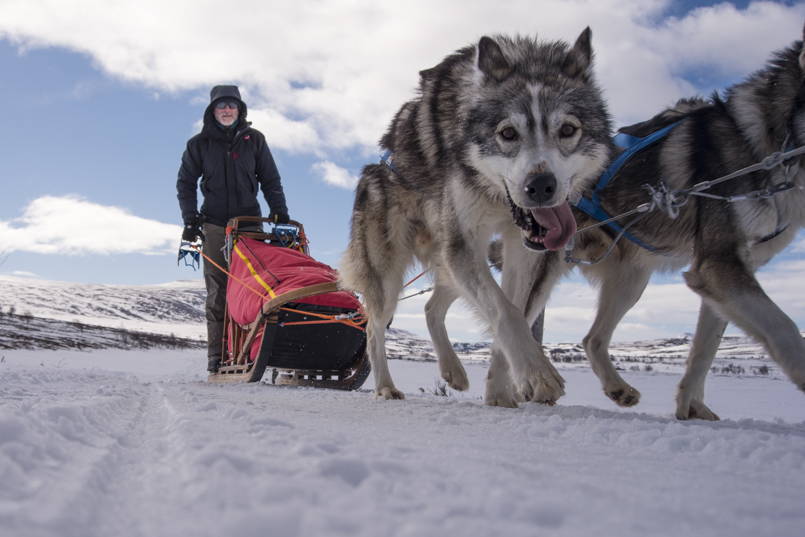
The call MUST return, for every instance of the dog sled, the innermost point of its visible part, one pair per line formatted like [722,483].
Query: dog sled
[285,313]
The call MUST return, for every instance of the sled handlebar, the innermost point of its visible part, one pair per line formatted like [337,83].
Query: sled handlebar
[239,221]
[240,225]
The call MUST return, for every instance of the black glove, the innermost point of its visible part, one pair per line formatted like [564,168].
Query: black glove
[192,230]
[279,218]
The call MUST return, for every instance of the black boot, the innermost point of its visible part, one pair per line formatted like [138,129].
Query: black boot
[213,364]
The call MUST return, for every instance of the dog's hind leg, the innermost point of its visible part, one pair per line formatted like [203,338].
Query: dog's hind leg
[374,265]
[435,311]
[620,291]
[690,394]
[728,286]
[380,304]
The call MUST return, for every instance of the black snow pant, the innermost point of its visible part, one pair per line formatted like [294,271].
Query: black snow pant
[215,280]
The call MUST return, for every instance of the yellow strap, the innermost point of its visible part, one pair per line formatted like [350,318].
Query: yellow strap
[254,272]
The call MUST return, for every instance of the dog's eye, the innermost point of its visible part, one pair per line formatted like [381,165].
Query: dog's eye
[567,130]
[509,134]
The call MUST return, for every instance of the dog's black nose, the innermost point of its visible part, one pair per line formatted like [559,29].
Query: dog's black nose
[541,187]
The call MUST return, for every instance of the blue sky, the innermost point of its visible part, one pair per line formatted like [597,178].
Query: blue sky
[76,131]
[101,99]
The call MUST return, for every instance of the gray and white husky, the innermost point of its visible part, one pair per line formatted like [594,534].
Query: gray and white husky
[501,131]
[725,243]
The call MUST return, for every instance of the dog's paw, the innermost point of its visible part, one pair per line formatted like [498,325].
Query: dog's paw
[546,395]
[623,394]
[542,385]
[695,410]
[389,392]
[500,394]
[506,400]
[456,377]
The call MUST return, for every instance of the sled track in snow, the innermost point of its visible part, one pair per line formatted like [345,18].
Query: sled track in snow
[112,452]
[139,475]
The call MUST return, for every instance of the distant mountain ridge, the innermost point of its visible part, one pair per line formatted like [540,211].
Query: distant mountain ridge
[28,332]
[177,302]
[176,310]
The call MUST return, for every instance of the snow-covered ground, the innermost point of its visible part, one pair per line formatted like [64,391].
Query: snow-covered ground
[135,443]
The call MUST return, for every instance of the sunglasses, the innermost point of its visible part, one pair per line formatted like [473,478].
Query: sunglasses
[226,104]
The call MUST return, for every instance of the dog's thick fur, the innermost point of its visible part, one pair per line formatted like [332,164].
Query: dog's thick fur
[508,114]
[724,242]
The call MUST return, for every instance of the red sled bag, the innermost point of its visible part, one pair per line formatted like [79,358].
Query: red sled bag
[285,312]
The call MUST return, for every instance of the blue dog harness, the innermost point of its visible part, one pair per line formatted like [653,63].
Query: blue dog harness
[631,145]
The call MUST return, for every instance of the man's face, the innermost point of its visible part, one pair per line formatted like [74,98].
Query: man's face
[226,112]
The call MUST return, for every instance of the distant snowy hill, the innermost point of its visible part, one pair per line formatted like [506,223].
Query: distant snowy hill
[177,310]
[28,332]
[174,308]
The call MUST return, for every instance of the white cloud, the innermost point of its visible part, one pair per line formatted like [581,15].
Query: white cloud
[284,133]
[335,175]
[329,75]
[24,274]
[729,40]
[70,225]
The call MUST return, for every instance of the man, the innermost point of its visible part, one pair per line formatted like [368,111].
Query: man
[232,159]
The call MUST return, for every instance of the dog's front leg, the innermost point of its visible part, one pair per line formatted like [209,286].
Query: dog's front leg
[533,374]
[500,388]
[527,281]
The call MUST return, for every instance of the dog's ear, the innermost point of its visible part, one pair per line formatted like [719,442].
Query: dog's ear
[580,57]
[491,60]
[426,74]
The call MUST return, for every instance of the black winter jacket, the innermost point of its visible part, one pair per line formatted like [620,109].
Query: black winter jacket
[231,164]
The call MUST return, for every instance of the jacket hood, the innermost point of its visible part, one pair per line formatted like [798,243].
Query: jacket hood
[224,92]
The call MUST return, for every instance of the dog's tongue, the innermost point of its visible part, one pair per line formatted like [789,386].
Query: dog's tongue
[559,223]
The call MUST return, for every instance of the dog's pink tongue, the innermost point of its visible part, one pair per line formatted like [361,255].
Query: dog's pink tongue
[559,223]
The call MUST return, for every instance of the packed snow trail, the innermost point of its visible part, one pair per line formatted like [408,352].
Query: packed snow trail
[91,444]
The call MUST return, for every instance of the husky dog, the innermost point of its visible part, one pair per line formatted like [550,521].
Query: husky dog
[501,131]
[725,243]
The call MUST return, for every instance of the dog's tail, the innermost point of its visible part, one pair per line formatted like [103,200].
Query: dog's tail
[358,270]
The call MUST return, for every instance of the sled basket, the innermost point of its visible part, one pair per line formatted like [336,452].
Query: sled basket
[285,313]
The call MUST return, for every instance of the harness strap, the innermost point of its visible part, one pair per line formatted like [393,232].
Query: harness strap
[254,272]
[631,145]
[597,212]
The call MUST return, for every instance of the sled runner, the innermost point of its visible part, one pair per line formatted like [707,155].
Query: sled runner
[284,313]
